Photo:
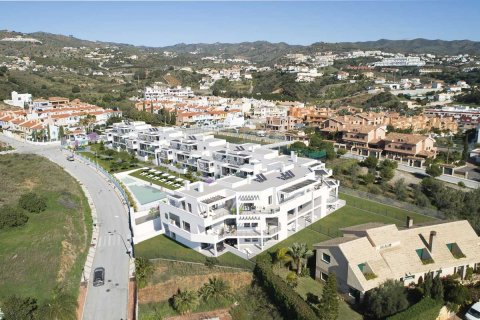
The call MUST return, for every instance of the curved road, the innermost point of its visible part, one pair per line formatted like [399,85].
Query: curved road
[109,301]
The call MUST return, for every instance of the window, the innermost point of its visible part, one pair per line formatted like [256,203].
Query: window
[186,226]
[190,207]
[166,215]
[247,240]
[323,276]
[269,199]
[325,258]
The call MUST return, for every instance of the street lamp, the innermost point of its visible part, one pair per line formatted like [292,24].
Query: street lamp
[123,240]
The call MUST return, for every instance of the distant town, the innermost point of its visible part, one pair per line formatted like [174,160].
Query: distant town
[311,184]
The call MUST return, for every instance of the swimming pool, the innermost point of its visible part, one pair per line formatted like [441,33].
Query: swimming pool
[142,192]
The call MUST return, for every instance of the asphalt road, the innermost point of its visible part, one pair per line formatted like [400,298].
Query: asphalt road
[109,301]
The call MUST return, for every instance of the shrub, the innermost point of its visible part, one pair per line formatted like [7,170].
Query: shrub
[292,279]
[341,152]
[211,262]
[15,307]
[426,309]
[291,303]
[32,202]
[143,270]
[374,189]
[12,217]
[469,273]
[387,299]
[461,184]
[434,170]
[370,162]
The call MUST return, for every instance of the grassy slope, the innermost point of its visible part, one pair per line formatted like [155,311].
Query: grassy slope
[166,248]
[30,256]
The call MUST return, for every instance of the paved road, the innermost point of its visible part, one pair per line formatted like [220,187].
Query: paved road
[111,300]
[444,177]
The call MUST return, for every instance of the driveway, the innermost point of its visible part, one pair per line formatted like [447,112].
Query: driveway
[109,301]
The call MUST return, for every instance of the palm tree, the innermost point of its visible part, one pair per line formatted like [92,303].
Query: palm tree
[299,253]
[282,257]
[185,301]
[62,306]
[215,288]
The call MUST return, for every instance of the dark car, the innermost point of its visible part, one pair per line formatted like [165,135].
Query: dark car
[99,277]
[70,158]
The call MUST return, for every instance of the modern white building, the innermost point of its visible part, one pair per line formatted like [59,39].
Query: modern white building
[158,92]
[248,214]
[249,198]
[19,99]
[400,62]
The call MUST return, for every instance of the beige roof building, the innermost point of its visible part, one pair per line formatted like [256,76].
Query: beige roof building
[369,254]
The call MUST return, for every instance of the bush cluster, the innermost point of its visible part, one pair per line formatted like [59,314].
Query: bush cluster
[291,304]
[32,202]
[426,309]
[12,217]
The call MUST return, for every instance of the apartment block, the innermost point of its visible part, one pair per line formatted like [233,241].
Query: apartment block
[248,214]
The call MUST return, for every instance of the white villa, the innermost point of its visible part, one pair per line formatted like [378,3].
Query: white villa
[369,254]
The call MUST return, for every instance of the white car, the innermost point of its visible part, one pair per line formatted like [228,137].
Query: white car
[474,312]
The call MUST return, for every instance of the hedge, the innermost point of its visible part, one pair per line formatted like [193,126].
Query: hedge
[290,303]
[426,309]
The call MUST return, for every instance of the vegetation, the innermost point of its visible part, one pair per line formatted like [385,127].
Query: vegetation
[166,248]
[32,202]
[143,270]
[328,307]
[290,303]
[185,301]
[426,309]
[299,253]
[387,299]
[51,248]
[11,217]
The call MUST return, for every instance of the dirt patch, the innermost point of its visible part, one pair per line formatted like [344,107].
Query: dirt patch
[67,260]
[30,183]
[222,314]
[66,200]
[164,291]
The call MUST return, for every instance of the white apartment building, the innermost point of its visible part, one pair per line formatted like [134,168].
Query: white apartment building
[248,214]
[19,99]
[251,199]
[400,62]
[158,92]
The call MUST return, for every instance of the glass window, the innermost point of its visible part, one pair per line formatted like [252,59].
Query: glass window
[323,276]
[325,258]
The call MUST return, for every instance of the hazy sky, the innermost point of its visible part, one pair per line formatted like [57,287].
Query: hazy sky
[167,23]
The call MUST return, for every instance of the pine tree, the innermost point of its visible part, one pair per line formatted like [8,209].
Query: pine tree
[427,285]
[437,289]
[328,307]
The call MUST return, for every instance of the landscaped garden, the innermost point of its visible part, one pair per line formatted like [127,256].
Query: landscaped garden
[45,231]
[109,159]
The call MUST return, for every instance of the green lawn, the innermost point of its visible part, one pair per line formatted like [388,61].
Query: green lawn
[119,161]
[347,216]
[166,248]
[308,285]
[381,209]
[32,258]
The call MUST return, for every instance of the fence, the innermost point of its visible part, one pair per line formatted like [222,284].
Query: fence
[389,202]
[202,264]
[305,153]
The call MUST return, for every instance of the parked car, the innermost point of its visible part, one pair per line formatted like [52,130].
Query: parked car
[99,277]
[70,158]
[474,312]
